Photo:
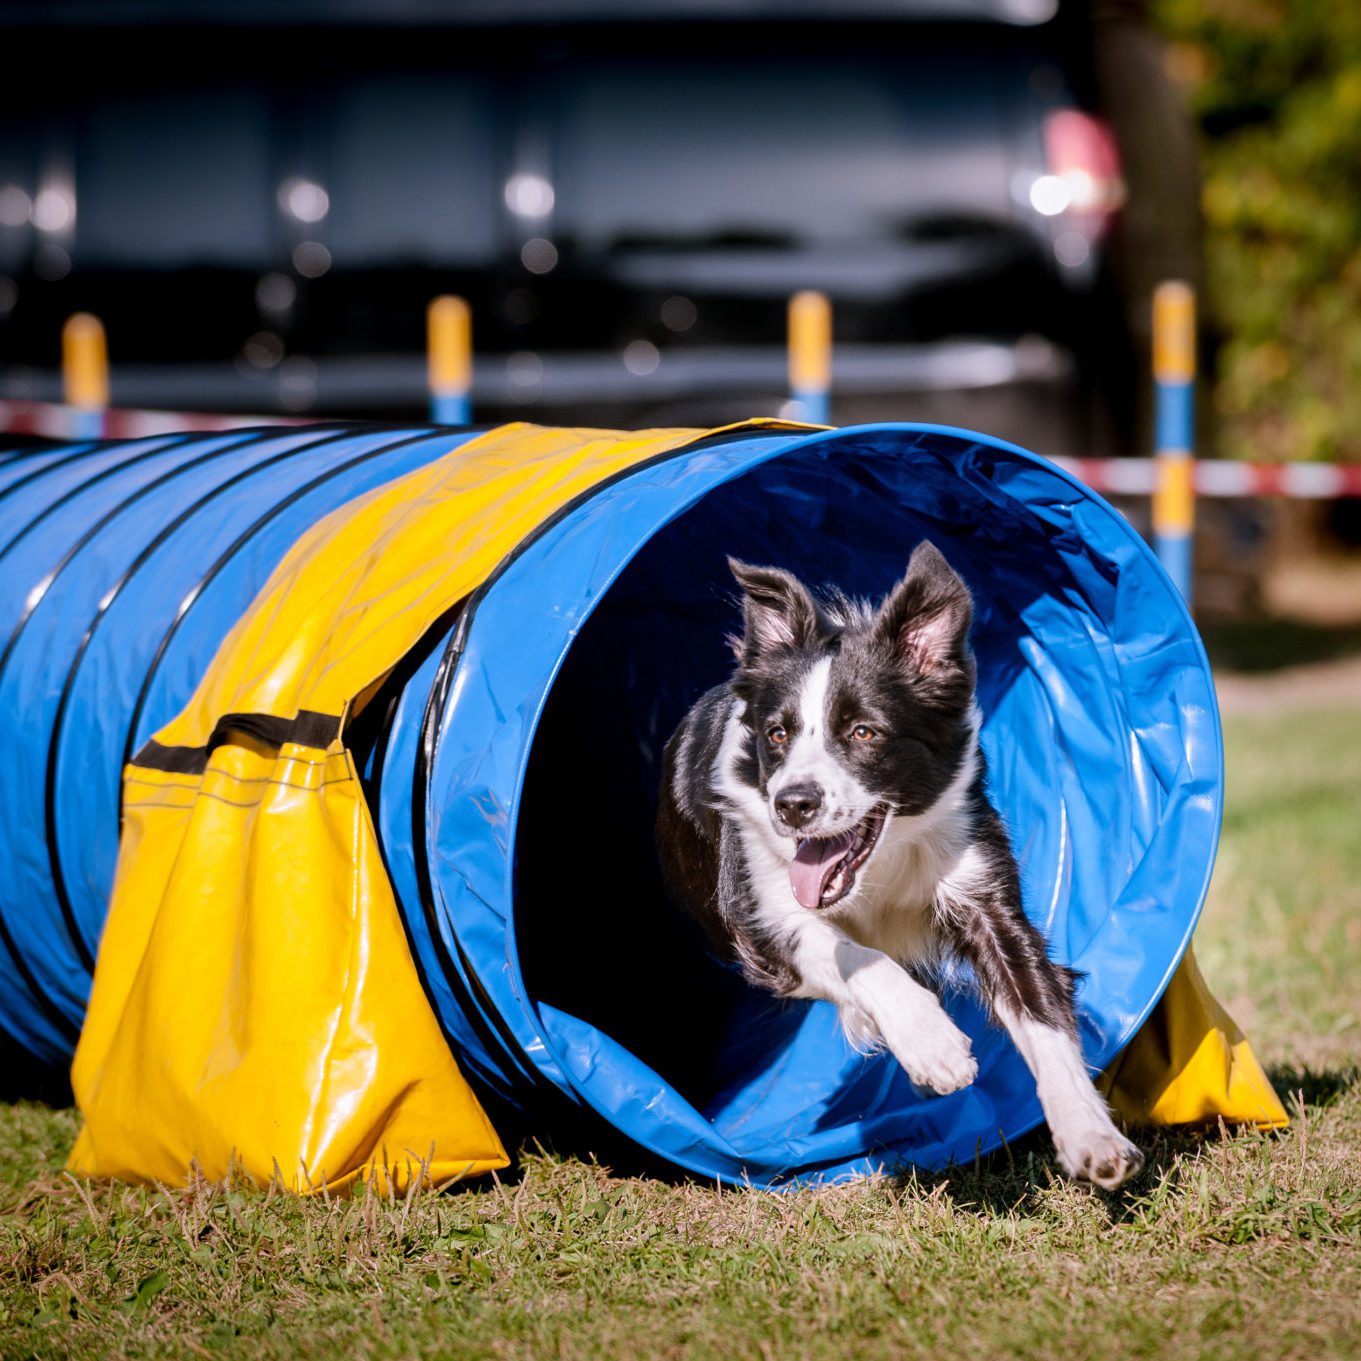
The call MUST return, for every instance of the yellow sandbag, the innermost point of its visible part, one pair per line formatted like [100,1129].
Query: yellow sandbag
[1190,1064]
[254,1001]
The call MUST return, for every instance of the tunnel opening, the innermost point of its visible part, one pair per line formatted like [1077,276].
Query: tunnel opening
[1086,757]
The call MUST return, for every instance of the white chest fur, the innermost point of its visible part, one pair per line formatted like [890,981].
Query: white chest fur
[893,906]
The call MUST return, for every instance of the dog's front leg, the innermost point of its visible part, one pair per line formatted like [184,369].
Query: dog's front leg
[1085,1137]
[879,1002]
[978,906]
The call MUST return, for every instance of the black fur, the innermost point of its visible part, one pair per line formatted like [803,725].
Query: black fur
[906,669]
[703,866]
[997,940]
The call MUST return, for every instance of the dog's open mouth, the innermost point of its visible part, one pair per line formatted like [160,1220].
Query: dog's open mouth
[823,872]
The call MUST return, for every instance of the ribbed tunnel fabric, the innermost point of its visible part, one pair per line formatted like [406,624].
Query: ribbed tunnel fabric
[511,759]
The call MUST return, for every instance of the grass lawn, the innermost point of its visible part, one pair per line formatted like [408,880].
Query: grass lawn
[1235,1244]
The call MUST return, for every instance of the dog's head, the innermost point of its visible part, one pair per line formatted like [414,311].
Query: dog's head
[857,715]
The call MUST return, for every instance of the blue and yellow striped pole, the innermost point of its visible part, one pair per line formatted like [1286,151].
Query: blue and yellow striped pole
[1174,374]
[449,347]
[85,374]
[810,356]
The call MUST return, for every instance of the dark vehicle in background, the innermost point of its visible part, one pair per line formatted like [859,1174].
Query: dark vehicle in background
[260,200]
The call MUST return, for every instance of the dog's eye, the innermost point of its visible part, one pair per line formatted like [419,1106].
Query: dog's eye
[862,732]
[776,734]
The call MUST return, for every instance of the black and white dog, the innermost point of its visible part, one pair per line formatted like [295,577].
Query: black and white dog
[823,815]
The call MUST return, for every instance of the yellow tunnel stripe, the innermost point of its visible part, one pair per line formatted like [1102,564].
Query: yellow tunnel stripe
[255,1004]
[355,591]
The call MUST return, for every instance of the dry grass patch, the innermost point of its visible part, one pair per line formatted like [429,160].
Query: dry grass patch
[1231,1242]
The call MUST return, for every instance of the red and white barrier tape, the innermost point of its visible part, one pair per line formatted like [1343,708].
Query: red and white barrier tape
[1112,476]
[1221,477]
[54,421]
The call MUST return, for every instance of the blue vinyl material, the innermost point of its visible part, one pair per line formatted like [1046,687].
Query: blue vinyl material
[546,949]
[122,567]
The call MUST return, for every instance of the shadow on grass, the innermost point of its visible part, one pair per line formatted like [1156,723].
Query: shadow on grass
[1010,1181]
[1260,646]
[24,1078]
[1318,1090]
[1013,1180]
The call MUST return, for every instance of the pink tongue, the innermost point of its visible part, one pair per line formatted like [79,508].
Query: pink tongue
[814,864]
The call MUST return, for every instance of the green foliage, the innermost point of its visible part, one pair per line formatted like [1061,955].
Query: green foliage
[1277,87]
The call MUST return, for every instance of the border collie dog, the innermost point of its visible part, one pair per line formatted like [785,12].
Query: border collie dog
[824,817]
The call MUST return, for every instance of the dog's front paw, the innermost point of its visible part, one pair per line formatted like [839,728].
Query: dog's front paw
[937,1056]
[1102,1155]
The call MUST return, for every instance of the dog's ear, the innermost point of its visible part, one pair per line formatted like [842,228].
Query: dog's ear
[777,611]
[926,617]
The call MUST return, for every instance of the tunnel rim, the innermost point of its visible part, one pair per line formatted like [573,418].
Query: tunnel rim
[783,443]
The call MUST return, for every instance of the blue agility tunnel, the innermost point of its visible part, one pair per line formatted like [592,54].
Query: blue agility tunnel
[511,761]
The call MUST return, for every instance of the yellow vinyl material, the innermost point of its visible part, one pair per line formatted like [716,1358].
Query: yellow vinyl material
[1190,1064]
[254,1001]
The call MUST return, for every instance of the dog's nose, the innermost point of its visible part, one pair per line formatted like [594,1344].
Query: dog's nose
[797,804]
